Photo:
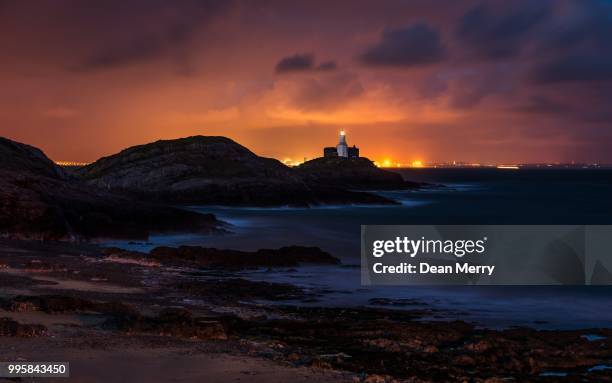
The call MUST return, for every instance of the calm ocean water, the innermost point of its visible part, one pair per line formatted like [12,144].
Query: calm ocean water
[470,196]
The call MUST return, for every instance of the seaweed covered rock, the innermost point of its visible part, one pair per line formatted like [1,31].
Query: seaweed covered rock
[9,327]
[288,256]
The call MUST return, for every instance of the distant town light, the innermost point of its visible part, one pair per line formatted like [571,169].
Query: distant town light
[514,167]
[71,163]
[291,162]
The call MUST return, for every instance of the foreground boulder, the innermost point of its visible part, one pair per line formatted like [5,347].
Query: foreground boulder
[40,201]
[211,170]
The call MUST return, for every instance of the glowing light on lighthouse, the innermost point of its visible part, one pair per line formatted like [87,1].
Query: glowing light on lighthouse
[342,147]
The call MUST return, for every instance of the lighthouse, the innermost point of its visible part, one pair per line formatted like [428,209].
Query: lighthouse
[342,147]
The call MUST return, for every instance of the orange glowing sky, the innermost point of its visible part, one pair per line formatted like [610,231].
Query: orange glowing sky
[407,80]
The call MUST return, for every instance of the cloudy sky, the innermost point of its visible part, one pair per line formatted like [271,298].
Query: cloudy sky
[492,81]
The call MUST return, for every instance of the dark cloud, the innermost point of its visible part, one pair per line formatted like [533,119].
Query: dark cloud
[469,87]
[500,33]
[418,44]
[593,105]
[295,63]
[327,65]
[586,66]
[302,63]
[136,50]
[98,35]
[433,86]
[327,92]
[543,105]
[467,94]
[159,29]
[579,48]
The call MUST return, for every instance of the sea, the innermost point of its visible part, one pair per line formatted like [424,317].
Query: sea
[457,196]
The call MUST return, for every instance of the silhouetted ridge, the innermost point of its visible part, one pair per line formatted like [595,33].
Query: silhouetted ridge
[37,200]
[18,157]
[211,170]
[352,173]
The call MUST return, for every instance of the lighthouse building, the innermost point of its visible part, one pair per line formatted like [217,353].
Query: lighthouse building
[342,149]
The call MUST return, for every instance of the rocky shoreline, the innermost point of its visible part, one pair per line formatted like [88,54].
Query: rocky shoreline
[192,299]
[209,170]
[197,256]
[38,200]
[354,173]
[135,193]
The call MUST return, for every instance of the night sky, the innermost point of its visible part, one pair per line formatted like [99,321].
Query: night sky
[500,81]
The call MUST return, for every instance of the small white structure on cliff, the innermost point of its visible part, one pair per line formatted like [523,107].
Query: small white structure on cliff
[342,149]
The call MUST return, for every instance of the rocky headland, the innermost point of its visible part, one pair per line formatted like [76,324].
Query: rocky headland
[128,194]
[39,200]
[218,171]
[357,173]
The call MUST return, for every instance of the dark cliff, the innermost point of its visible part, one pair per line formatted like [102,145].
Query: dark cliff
[351,173]
[211,170]
[38,200]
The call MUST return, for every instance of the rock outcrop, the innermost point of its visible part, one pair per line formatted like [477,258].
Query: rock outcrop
[352,173]
[212,170]
[40,201]
[197,256]
[26,159]
[12,328]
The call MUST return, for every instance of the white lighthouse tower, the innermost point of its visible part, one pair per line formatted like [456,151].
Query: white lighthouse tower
[342,147]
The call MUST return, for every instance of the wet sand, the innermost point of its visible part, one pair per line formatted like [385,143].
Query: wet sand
[97,355]
[135,363]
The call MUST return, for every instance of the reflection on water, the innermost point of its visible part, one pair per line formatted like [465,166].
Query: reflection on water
[471,196]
